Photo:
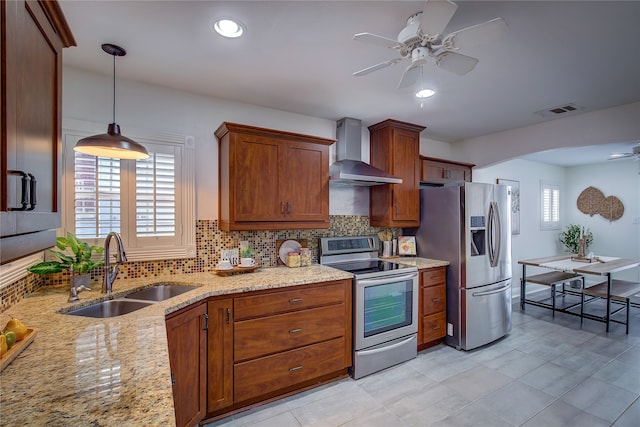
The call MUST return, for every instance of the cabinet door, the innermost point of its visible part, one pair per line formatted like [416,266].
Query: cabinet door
[188,357]
[220,359]
[256,178]
[31,108]
[305,182]
[406,196]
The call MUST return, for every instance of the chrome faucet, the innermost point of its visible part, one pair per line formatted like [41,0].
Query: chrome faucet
[75,290]
[110,272]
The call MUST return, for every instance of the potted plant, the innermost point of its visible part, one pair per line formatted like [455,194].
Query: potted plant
[570,238]
[74,256]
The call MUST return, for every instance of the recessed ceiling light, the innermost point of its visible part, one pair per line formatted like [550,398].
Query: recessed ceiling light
[425,93]
[228,27]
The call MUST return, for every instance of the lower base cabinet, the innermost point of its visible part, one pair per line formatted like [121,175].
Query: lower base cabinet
[432,311]
[237,352]
[187,338]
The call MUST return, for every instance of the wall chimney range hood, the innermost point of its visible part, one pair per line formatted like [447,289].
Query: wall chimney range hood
[349,169]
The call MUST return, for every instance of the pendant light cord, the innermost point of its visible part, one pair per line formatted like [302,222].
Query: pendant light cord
[114,88]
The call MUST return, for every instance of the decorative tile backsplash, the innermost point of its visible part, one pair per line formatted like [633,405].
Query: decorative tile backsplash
[210,241]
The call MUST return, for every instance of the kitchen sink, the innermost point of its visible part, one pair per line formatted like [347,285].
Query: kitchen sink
[110,308]
[159,292]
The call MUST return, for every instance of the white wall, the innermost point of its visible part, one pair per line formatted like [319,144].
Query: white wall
[620,238]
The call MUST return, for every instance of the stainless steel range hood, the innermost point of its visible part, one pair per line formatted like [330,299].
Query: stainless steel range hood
[349,169]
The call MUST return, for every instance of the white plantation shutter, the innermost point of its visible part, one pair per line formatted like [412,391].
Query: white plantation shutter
[97,196]
[550,205]
[156,196]
[150,202]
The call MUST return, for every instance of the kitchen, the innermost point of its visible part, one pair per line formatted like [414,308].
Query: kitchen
[141,105]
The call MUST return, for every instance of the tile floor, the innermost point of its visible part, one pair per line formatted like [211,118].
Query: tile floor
[546,372]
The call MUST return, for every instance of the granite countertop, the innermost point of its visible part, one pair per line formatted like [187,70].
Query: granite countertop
[421,263]
[84,371]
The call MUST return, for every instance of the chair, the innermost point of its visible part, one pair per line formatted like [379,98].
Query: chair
[552,279]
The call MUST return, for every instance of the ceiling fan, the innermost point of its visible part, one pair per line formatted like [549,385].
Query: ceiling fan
[635,153]
[421,41]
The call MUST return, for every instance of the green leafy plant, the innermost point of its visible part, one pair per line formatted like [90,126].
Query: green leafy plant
[570,238]
[246,252]
[73,255]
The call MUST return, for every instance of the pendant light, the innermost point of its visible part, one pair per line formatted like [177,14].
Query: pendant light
[112,144]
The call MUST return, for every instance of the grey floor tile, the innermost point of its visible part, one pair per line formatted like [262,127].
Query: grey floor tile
[378,418]
[600,398]
[553,379]
[588,420]
[336,409]
[286,419]
[477,382]
[431,404]
[558,414]
[394,383]
[260,413]
[341,388]
[515,363]
[630,417]
[631,356]
[604,346]
[623,375]
[548,347]
[472,416]
[516,402]
[581,360]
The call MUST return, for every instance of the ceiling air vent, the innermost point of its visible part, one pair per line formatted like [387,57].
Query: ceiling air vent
[563,109]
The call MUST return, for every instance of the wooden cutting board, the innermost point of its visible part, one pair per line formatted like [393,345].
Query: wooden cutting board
[303,243]
[17,348]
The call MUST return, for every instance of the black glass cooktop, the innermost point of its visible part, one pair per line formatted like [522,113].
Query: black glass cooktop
[369,266]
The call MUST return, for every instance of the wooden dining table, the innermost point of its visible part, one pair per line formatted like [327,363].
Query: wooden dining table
[603,266]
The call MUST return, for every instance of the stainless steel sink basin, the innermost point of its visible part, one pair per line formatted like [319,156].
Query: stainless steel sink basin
[110,308]
[159,292]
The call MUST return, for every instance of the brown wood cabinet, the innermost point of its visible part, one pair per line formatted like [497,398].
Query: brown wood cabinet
[395,148]
[432,310]
[187,338]
[271,179]
[439,171]
[33,36]
[220,355]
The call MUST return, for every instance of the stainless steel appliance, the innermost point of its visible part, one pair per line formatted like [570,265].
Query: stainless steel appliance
[385,323]
[470,226]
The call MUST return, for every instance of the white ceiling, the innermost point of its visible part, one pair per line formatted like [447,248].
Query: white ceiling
[299,56]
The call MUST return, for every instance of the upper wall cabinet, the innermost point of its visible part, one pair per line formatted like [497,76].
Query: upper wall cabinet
[395,148]
[33,36]
[439,171]
[272,180]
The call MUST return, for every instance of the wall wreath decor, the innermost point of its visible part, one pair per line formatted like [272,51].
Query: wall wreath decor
[593,201]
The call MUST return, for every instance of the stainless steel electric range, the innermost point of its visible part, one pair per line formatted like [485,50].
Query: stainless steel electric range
[385,298]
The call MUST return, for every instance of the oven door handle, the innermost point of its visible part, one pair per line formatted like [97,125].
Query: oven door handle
[381,349]
[387,279]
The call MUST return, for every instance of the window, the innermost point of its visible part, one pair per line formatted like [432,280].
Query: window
[550,206]
[150,202]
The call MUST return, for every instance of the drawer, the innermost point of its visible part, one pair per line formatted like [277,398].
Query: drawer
[433,327]
[433,299]
[433,276]
[289,300]
[271,373]
[273,334]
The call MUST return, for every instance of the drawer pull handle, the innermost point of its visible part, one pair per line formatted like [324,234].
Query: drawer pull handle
[435,277]
[295,368]
[436,300]
[295,331]
[435,328]
[295,300]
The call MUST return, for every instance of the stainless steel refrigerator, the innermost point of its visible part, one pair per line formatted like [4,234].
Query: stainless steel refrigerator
[470,226]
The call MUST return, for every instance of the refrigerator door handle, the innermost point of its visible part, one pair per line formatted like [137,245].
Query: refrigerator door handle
[495,291]
[494,234]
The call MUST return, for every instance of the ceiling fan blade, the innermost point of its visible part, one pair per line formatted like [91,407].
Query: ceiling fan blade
[410,76]
[377,40]
[475,35]
[456,63]
[376,67]
[436,15]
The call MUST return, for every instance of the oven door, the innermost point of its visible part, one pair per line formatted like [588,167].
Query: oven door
[385,309]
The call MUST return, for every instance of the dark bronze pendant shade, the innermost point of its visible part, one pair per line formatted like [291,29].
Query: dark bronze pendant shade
[112,144]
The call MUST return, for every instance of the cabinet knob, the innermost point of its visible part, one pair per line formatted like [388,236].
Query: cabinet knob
[295,331]
[435,328]
[294,300]
[289,208]
[282,208]
[436,300]
[295,368]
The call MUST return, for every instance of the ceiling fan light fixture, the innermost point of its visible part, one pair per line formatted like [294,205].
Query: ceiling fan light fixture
[425,93]
[228,27]
[112,144]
